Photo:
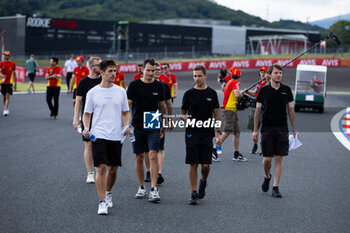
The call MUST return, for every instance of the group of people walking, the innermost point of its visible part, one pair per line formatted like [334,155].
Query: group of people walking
[107,112]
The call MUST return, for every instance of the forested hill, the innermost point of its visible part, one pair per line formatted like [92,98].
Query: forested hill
[136,10]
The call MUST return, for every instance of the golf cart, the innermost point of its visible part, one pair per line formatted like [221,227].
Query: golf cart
[310,87]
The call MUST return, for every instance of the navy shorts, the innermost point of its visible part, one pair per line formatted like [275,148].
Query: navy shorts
[6,88]
[31,77]
[274,141]
[145,140]
[107,152]
[74,94]
[199,147]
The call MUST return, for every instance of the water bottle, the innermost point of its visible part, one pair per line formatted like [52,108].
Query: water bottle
[92,137]
[132,135]
[218,148]
[79,129]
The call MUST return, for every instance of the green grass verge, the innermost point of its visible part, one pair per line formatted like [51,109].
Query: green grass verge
[21,87]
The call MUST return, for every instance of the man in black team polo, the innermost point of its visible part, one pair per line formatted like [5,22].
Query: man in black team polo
[146,97]
[274,98]
[200,104]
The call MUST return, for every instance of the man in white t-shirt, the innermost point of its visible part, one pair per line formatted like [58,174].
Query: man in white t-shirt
[109,105]
[69,65]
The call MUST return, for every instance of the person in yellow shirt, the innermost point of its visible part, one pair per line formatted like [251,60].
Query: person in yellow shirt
[231,126]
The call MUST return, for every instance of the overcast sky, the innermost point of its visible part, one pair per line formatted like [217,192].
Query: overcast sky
[298,10]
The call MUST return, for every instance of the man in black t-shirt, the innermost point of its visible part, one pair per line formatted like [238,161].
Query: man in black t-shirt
[83,87]
[169,106]
[221,76]
[199,104]
[146,99]
[274,130]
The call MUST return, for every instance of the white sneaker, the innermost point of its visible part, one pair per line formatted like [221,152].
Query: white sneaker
[109,200]
[154,195]
[141,193]
[102,208]
[6,112]
[90,178]
[216,159]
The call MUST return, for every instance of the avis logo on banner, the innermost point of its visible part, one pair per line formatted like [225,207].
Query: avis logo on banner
[217,65]
[175,66]
[330,62]
[151,120]
[241,64]
[128,68]
[192,65]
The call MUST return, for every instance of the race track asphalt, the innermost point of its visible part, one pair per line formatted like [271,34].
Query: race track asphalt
[43,176]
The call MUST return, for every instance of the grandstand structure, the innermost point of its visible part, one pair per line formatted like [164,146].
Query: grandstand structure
[52,36]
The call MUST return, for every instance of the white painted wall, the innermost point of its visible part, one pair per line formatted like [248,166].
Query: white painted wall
[229,40]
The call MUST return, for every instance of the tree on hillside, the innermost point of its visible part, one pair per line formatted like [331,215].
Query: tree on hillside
[135,10]
[342,30]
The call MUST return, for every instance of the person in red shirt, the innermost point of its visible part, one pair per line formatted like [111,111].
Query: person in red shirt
[7,76]
[229,113]
[262,74]
[234,71]
[119,78]
[79,72]
[54,75]
[170,79]
[316,85]
[139,71]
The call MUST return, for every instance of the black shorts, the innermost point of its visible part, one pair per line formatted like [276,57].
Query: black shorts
[74,94]
[161,145]
[107,152]
[31,77]
[146,140]
[199,147]
[274,141]
[6,88]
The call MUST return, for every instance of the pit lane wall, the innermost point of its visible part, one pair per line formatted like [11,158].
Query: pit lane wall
[215,65]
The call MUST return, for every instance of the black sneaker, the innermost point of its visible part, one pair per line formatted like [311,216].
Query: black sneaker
[254,149]
[265,186]
[160,179]
[194,198]
[201,190]
[238,157]
[148,177]
[276,192]
[215,156]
